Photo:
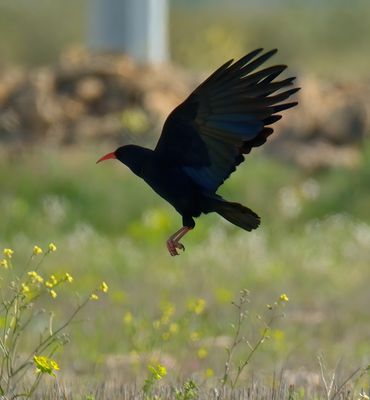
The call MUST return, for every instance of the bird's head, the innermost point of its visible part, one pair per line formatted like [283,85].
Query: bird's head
[118,154]
[130,155]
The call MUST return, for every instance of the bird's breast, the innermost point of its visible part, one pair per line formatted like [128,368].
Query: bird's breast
[173,185]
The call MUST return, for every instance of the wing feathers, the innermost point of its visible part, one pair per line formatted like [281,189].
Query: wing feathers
[224,118]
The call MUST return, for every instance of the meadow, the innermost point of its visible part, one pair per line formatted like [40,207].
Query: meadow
[313,246]
[278,313]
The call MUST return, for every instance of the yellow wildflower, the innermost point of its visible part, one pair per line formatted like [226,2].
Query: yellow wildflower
[194,336]
[25,288]
[199,306]
[174,328]
[161,370]
[51,282]
[168,309]
[196,306]
[202,353]
[45,365]
[127,318]
[52,247]
[8,253]
[94,297]
[278,335]
[53,293]
[4,263]
[35,277]
[209,373]
[37,250]
[104,287]
[68,277]
[158,372]
[54,365]
[283,297]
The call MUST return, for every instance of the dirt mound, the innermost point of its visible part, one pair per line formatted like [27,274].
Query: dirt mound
[328,126]
[87,97]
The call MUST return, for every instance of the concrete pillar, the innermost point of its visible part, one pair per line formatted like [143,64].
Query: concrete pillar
[136,27]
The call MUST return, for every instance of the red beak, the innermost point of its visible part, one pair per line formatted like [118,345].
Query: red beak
[107,157]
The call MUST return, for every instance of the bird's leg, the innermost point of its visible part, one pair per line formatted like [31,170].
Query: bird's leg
[173,241]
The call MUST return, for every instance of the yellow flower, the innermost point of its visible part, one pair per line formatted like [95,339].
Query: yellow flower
[127,318]
[196,306]
[54,365]
[51,282]
[8,253]
[168,309]
[283,297]
[37,250]
[158,372]
[209,373]
[25,288]
[199,306]
[68,277]
[52,247]
[94,297]
[278,335]
[45,365]
[4,263]
[53,293]
[194,336]
[161,370]
[174,328]
[104,287]
[202,353]
[35,277]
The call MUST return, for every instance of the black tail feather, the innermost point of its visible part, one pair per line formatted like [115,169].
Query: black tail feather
[238,214]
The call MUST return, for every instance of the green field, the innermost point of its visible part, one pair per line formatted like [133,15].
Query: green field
[313,245]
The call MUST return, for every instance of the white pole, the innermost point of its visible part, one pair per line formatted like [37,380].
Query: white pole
[136,27]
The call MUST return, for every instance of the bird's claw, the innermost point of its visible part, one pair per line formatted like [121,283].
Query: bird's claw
[173,245]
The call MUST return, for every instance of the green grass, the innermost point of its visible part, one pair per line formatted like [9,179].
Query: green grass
[313,245]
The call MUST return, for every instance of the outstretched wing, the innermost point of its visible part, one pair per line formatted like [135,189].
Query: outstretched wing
[224,118]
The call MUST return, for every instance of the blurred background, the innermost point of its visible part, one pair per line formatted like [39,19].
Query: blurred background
[66,99]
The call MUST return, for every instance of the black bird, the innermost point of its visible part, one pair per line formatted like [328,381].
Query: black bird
[205,138]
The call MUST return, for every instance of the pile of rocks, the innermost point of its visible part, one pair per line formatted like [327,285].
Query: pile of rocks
[103,97]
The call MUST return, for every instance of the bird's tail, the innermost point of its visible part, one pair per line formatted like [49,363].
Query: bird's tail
[237,214]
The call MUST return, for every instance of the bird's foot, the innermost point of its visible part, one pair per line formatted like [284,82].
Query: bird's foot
[173,245]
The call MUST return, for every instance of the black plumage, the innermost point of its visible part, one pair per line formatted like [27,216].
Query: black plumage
[206,137]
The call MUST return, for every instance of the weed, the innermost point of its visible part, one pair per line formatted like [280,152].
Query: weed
[231,376]
[21,308]
[189,391]
[155,374]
